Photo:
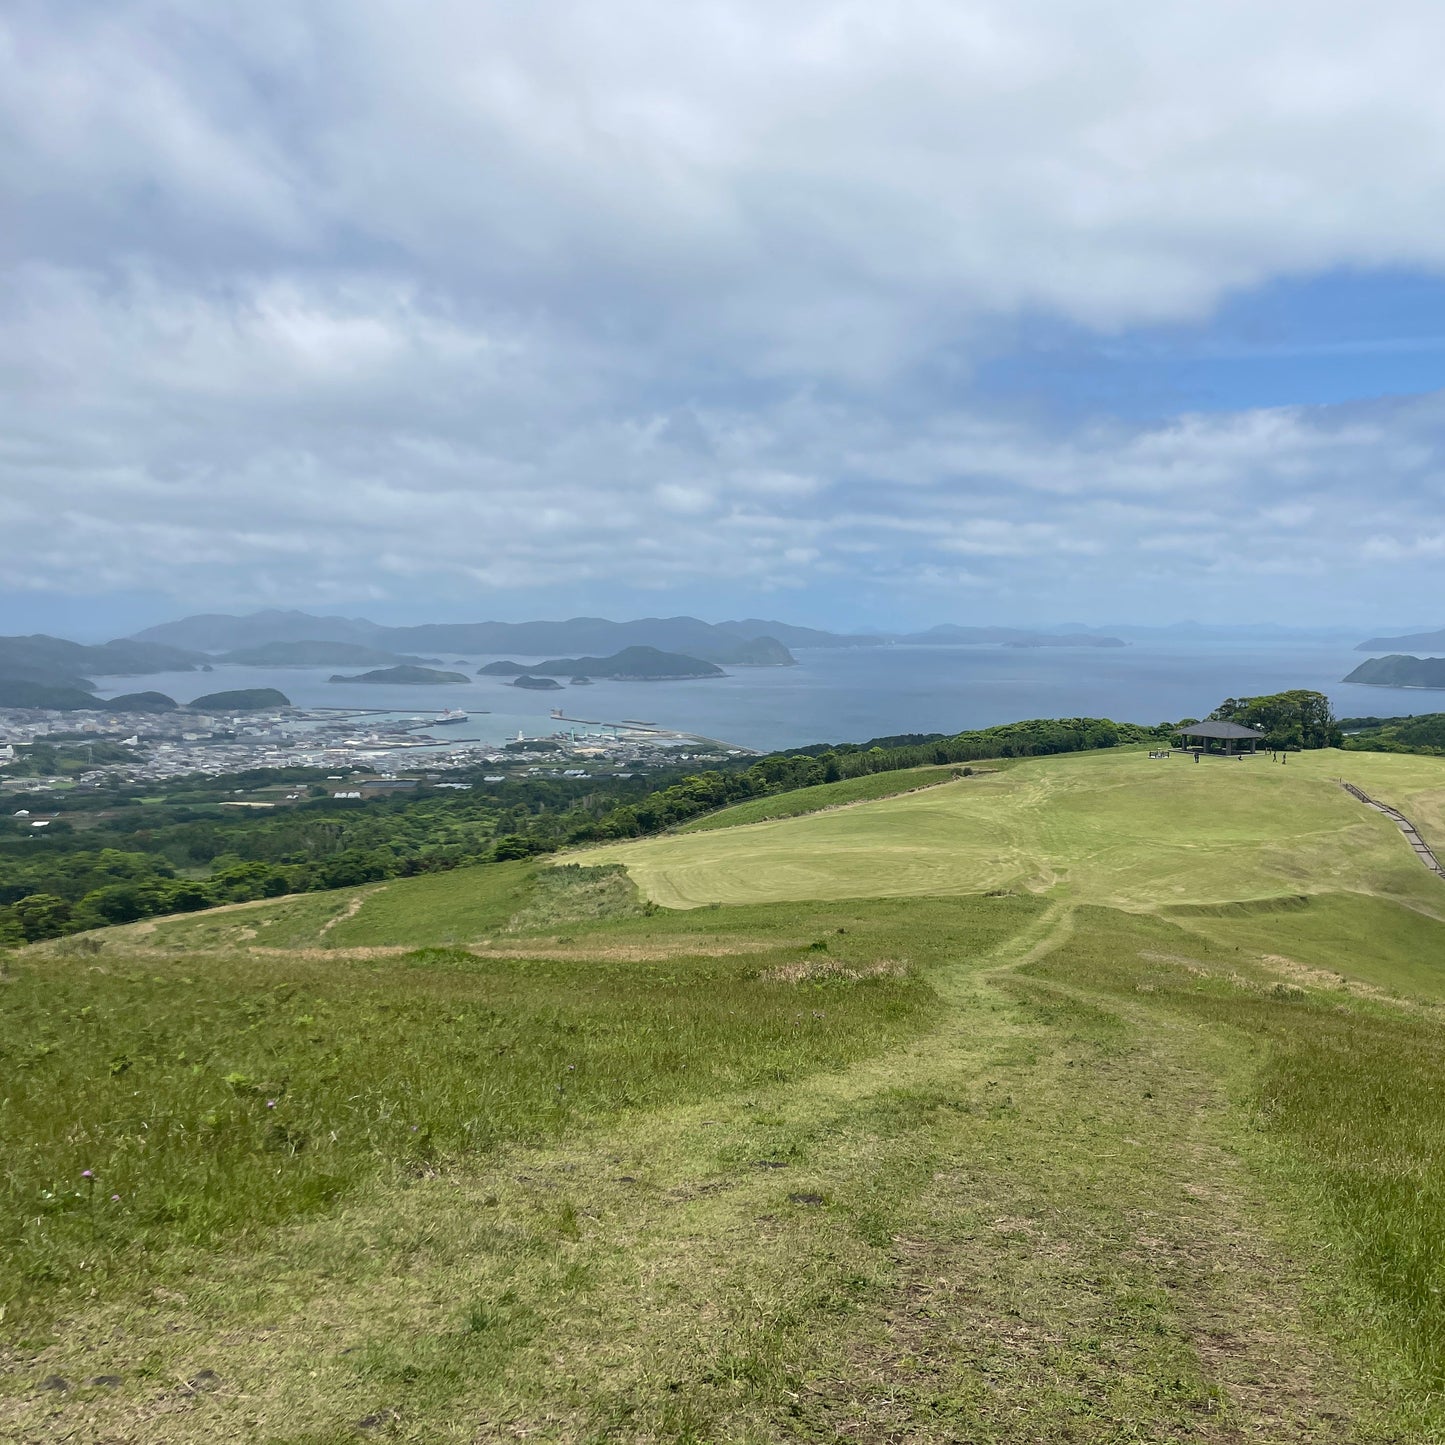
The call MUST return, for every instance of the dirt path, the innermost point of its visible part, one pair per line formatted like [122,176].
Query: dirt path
[352,908]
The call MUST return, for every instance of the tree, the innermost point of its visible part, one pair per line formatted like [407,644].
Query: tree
[42,915]
[1292,720]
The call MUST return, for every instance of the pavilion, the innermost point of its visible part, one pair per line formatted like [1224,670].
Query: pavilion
[1226,733]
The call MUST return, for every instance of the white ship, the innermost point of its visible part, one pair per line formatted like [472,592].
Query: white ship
[451,715]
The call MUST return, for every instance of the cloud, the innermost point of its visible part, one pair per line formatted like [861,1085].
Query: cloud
[357,299]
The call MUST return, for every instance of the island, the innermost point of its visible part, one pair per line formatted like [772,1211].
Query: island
[537,684]
[632,664]
[1415,641]
[757,652]
[406,673]
[1398,670]
[245,699]
[317,653]
[1068,639]
[142,702]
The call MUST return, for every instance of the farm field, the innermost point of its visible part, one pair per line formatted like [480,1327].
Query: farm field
[1094,1099]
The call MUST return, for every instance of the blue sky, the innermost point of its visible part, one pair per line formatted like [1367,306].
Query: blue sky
[1320,341]
[865,316]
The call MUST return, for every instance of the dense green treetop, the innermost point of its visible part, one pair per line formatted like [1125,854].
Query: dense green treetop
[1296,719]
[1423,733]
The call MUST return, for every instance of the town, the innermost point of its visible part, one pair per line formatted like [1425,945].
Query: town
[148,748]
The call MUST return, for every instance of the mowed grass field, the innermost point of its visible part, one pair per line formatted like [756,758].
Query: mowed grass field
[842,794]
[1091,1100]
[1112,827]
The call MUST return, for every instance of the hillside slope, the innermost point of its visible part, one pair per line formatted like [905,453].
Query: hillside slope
[1111,827]
[511,1153]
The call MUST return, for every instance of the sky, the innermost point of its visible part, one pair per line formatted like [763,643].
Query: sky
[857,315]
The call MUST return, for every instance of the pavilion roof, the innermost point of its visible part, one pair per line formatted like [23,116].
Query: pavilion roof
[1211,729]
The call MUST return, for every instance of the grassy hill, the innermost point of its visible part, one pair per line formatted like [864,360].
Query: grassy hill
[1090,1099]
[1110,827]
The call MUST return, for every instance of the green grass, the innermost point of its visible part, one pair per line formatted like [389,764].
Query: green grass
[1113,827]
[819,799]
[434,909]
[1351,1094]
[1407,783]
[1091,1101]
[292,922]
[1353,936]
[219,1096]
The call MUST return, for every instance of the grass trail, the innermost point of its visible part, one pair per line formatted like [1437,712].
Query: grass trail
[1030,1221]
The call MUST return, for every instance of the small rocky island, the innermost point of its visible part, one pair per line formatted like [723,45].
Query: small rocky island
[632,664]
[537,684]
[406,673]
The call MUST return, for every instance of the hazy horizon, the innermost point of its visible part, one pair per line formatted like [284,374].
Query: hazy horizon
[84,621]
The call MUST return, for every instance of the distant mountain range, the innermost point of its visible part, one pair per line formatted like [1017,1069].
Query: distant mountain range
[312,653]
[1412,642]
[739,643]
[42,671]
[745,641]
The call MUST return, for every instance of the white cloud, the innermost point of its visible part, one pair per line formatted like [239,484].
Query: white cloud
[500,297]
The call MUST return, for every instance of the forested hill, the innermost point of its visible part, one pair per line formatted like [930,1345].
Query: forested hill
[1399,671]
[1418,733]
[54,662]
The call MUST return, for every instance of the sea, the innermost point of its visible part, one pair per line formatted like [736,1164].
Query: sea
[853,694]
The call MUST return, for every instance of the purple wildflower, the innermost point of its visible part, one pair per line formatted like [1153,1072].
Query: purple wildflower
[270,1103]
[87,1173]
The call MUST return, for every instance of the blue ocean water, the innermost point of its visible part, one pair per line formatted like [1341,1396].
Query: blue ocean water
[851,694]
